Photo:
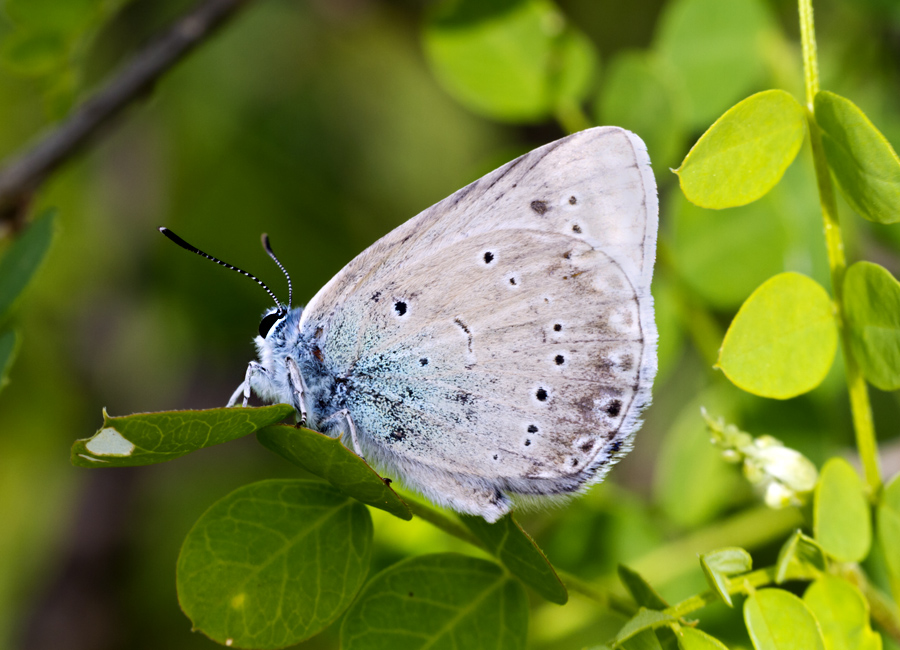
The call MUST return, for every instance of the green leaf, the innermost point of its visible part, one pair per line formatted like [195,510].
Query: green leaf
[33,53]
[799,557]
[513,60]
[889,531]
[863,162]
[438,601]
[745,152]
[23,258]
[641,590]
[716,50]
[274,563]
[690,638]
[778,620]
[148,438]
[719,564]
[841,518]
[506,540]
[872,315]
[645,619]
[9,346]
[843,614]
[327,458]
[645,640]
[782,342]
[638,94]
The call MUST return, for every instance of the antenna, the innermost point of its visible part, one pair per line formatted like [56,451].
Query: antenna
[178,240]
[268,247]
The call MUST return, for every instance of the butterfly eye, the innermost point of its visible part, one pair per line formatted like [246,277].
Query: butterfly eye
[269,320]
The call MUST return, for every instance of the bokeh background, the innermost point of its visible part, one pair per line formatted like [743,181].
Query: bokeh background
[326,123]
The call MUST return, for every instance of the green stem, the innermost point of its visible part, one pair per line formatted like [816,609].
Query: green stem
[737,585]
[443,522]
[572,118]
[606,599]
[860,407]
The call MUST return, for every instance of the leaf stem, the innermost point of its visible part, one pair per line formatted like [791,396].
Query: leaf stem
[738,585]
[860,406]
[443,522]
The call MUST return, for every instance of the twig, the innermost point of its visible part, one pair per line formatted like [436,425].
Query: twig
[23,175]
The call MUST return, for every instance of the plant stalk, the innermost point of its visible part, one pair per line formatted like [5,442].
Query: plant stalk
[860,406]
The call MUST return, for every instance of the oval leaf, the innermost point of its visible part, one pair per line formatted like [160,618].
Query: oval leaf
[782,342]
[889,531]
[872,315]
[718,565]
[800,557]
[778,620]
[745,152]
[23,258]
[843,614]
[841,519]
[443,600]
[863,162]
[148,438]
[510,544]
[690,638]
[274,563]
[514,60]
[327,458]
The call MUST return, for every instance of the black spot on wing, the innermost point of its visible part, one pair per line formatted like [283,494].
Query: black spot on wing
[540,207]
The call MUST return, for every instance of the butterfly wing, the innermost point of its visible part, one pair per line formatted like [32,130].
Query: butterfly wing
[503,340]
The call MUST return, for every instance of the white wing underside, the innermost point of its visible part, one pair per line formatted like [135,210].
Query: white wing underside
[504,339]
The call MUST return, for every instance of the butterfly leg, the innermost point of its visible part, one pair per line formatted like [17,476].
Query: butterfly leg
[334,422]
[353,435]
[252,368]
[298,388]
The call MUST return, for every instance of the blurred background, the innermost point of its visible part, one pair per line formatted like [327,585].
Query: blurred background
[326,123]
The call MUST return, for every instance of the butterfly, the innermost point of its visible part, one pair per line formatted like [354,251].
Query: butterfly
[499,344]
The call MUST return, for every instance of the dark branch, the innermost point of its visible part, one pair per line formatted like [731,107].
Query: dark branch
[23,175]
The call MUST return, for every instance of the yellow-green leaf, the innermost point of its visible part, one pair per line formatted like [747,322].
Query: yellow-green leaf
[863,162]
[872,315]
[843,614]
[778,620]
[782,342]
[745,153]
[841,518]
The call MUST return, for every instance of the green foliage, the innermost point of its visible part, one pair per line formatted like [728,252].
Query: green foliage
[640,590]
[511,545]
[841,515]
[842,613]
[720,564]
[274,563]
[148,438]
[862,160]
[22,260]
[872,317]
[778,620]
[782,342]
[745,153]
[800,557]
[327,458]
[438,601]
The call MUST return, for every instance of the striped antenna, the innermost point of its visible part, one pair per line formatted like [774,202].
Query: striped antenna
[178,240]
[268,247]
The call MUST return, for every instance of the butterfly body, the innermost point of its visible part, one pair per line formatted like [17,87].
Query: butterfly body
[500,343]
